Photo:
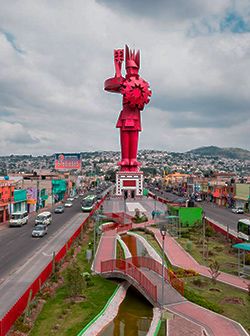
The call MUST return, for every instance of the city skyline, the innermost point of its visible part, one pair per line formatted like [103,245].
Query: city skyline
[55,57]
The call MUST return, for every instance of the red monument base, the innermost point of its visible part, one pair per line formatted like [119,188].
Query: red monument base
[129,184]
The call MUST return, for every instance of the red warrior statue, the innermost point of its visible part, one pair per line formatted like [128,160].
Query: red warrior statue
[136,94]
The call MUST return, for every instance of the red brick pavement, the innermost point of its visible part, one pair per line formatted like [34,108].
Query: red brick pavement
[179,326]
[213,323]
[106,249]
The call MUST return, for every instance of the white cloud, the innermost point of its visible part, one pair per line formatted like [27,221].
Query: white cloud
[54,89]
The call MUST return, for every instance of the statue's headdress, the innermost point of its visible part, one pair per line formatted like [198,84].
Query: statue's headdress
[132,58]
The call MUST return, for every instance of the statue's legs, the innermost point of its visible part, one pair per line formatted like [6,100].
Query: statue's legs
[133,147]
[124,138]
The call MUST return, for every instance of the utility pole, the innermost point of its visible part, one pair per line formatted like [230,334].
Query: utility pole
[203,234]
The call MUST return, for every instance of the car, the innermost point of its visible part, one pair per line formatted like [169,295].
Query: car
[39,231]
[238,210]
[44,218]
[59,209]
[68,204]
[198,199]
[70,199]
[76,196]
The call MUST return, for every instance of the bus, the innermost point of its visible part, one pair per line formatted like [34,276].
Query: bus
[88,203]
[243,229]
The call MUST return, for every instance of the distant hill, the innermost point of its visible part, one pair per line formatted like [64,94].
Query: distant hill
[227,152]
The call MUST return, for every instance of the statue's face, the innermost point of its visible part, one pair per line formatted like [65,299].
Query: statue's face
[132,71]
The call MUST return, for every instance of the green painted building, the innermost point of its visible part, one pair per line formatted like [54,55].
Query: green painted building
[59,189]
[20,201]
[187,216]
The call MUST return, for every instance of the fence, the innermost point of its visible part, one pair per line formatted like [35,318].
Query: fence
[224,232]
[135,273]
[125,227]
[19,307]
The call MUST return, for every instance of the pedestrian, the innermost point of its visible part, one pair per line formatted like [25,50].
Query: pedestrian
[153,214]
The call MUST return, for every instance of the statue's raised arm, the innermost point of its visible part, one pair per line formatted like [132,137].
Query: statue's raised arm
[114,84]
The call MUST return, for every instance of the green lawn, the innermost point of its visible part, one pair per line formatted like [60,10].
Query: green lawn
[234,303]
[61,317]
[217,248]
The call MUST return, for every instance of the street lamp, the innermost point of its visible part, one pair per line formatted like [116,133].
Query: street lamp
[97,217]
[163,231]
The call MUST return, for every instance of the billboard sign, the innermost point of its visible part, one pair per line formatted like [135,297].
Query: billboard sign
[69,161]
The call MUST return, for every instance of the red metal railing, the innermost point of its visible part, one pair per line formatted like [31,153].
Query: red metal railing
[134,272]
[20,305]
[125,227]
[155,266]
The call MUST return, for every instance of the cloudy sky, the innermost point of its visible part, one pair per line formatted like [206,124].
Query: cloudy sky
[55,56]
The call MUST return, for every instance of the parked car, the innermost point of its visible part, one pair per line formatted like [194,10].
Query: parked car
[68,204]
[59,209]
[39,231]
[44,218]
[198,199]
[70,199]
[238,210]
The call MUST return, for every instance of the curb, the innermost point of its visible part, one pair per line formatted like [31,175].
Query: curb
[85,331]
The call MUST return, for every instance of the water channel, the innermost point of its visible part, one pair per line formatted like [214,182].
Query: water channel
[134,317]
[135,313]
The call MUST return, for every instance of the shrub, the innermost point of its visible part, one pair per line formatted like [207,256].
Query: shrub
[21,326]
[193,297]
[189,246]
[186,234]
[247,259]
[198,282]
[74,280]
[210,231]
[191,272]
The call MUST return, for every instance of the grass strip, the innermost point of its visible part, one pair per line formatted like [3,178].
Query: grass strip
[98,315]
[60,316]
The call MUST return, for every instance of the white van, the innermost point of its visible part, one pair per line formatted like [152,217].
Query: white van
[44,218]
[18,218]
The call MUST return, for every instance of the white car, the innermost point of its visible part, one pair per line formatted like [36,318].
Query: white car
[68,204]
[70,199]
[238,210]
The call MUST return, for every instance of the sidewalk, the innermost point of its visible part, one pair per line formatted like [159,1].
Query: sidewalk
[180,258]
[213,323]
[106,249]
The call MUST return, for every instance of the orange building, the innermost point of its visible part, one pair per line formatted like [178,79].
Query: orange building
[6,198]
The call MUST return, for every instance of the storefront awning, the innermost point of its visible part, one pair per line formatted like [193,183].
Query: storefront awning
[242,246]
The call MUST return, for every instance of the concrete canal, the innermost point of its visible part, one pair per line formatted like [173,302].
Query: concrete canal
[134,317]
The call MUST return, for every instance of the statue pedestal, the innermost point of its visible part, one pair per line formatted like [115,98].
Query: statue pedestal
[129,184]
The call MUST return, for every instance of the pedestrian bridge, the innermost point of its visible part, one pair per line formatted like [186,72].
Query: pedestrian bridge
[146,275]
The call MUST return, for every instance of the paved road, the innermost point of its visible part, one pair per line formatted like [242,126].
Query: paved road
[17,245]
[213,211]
[37,259]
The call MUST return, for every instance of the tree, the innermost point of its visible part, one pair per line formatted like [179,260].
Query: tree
[214,270]
[74,280]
